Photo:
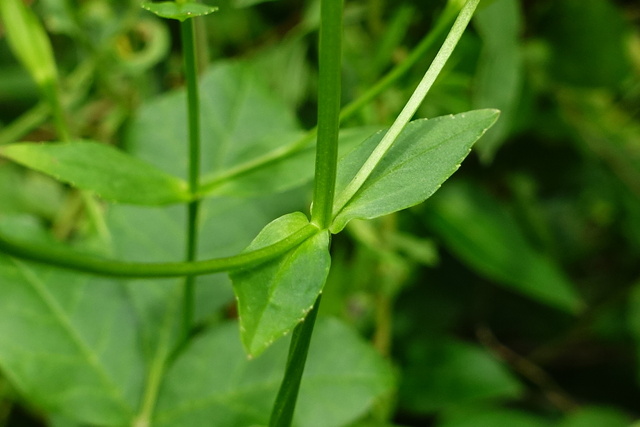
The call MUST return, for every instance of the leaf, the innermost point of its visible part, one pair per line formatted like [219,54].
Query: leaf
[342,379]
[593,416]
[488,239]
[495,417]
[68,344]
[442,374]
[275,296]
[498,80]
[28,41]
[241,121]
[178,10]
[112,174]
[425,154]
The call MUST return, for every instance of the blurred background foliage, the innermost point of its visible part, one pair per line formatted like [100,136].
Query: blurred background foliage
[512,297]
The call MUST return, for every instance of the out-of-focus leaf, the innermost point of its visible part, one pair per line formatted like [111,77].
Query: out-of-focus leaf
[591,416]
[111,173]
[498,79]
[275,296]
[488,239]
[425,154]
[442,374]
[587,42]
[241,122]
[178,10]
[342,379]
[68,342]
[494,418]
[29,41]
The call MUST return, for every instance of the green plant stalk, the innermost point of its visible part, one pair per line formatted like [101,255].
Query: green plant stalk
[193,207]
[285,403]
[330,54]
[412,105]
[112,268]
[328,112]
[350,109]
[52,94]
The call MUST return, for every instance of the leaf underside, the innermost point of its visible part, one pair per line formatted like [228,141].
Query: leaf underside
[109,172]
[425,154]
[275,296]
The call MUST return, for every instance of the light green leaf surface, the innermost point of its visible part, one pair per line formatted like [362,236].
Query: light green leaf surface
[425,154]
[442,374]
[241,121]
[68,344]
[111,173]
[489,240]
[28,40]
[342,379]
[178,10]
[275,296]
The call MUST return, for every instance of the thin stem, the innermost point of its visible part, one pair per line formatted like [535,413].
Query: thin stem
[106,267]
[193,108]
[348,111]
[412,105]
[328,111]
[284,406]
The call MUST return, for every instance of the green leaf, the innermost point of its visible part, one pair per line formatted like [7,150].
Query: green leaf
[178,10]
[494,418]
[344,376]
[275,296]
[442,374]
[498,80]
[28,41]
[242,123]
[425,154]
[488,239]
[68,343]
[593,416]
[111,173]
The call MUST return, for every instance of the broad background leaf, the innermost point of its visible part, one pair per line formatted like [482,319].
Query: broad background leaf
[67,343]
[488,239]
[342,379]
[425,154]
[109,172]
[275,296]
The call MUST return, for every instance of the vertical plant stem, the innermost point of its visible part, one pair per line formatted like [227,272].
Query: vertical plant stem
[412,105]
[284,406]
[328,111]
[193,107]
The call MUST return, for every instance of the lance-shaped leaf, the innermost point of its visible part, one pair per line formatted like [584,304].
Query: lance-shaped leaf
[275,296]
[178,10]
[109,172]
[425,154]
[488,239]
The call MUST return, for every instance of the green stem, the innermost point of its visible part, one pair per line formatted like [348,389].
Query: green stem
[412,105]
[52,93]
[105,267]
[328,112]
[284,406]
[348,111]
[193,108]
